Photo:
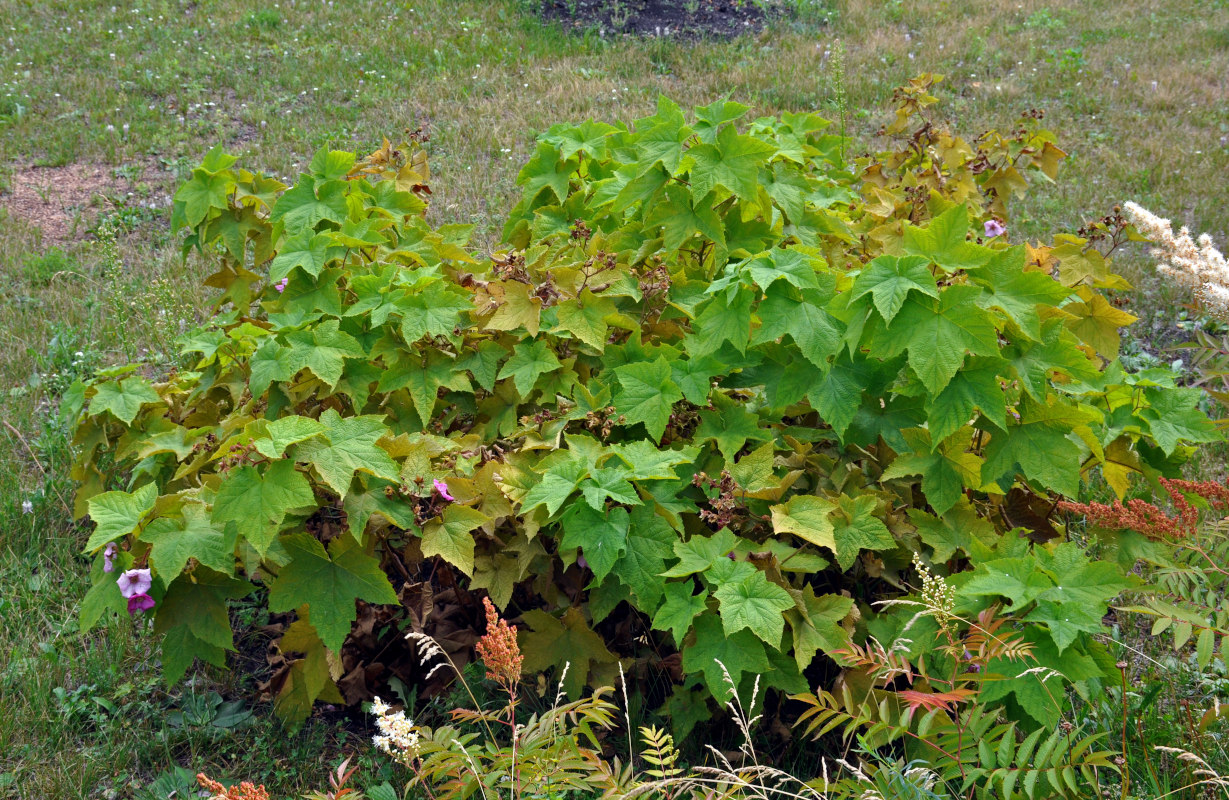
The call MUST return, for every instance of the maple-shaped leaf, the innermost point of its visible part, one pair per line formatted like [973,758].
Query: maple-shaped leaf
[257,502]
[787,188]
[174,541]
[639,188]
[946,471]
[330,165]
[807,517]
[271,363]
[1016,579]
[1079,262]
[679,609]
[123,398]
[423,378]
[348,444]
[588,138]
[452,537]
[1016,292]
[1174,417]
[555,642]
[711,118]
[647,394]
[1096,322]
[1038,446]
[889,279]
[681,218]
[361,506]
[650,541]
[612,483]
[732,162]
[309,202]
[285,431]
[1066,621]
[104,594]
[730,425]
[434,311]
[482,361]
[717,655]
[310,678]
[960,530]
[838,394]
[816,623]
[601,536]
[203,192]
[546,170]
[723,319]
[754,603]
[516,307]
[647,462]
[117,514]
[529,361]
[974,388]
[323,349]
[328,584]
[554,489]
[817,333]
[1055,351]
[663,143]
[1081,581]
[307,251]
[699,553]
[855,528]
[585,318]
[194,621]
[938,334]
[944,242]
[793,266]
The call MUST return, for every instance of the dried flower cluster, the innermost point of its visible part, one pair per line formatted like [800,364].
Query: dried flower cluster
[498,649]
[244,791]
[1190,262]
[398,737]
[1150,520]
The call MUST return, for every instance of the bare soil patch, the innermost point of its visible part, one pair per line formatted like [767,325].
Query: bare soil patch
[57,199]
[722,19]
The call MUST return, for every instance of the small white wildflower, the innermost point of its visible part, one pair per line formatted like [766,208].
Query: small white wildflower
[27,507]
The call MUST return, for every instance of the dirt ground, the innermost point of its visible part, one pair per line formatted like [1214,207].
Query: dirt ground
[716,18]
[57,200]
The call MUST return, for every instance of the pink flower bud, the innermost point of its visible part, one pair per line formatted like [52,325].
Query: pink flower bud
[442,488]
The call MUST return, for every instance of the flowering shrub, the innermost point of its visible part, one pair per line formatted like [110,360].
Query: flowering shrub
[718,396]
[1195,264]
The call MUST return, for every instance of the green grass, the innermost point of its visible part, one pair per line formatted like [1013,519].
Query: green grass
[143,90]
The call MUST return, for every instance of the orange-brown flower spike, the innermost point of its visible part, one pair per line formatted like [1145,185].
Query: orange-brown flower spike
[1148,518]
[498,649]
[244,791]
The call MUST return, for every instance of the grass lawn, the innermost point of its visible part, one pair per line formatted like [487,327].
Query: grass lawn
[103,109]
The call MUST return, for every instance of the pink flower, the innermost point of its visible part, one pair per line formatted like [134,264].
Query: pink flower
[442,488]
[134,582]
[108,557]
[139,602]
[281,285]
[994,228]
